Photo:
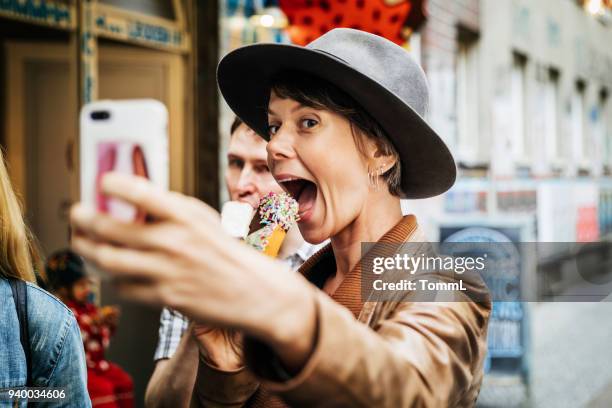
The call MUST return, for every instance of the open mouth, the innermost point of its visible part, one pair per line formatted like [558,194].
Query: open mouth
[303,191]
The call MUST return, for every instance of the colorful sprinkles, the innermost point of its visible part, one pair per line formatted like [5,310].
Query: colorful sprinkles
[278,209]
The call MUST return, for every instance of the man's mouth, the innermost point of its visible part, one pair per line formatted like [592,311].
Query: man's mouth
[251,199]
[302,190]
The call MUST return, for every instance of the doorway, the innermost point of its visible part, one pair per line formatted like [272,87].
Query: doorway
[42,154]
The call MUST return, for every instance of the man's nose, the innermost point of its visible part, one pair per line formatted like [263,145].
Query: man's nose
[246,182]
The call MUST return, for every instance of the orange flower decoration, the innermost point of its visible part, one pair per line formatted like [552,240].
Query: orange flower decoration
[309,19]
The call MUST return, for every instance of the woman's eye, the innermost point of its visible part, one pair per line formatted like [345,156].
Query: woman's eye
[309,123]
[272,129]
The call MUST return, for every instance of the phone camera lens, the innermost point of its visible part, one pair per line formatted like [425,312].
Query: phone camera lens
[100,115]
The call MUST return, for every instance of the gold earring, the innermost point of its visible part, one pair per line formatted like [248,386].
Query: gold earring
[380,171]
[371,178]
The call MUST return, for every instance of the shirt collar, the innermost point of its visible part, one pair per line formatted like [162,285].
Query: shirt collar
[306,250]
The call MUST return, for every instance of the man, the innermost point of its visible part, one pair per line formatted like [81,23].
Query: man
[247,179]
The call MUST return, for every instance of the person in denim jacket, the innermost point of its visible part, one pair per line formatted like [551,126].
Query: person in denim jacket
[58,359]
[57,355]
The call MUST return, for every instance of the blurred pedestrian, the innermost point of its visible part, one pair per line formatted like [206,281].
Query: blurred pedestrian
[40,345]
[108,384]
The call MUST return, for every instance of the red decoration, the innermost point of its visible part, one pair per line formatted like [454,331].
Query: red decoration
[309,19]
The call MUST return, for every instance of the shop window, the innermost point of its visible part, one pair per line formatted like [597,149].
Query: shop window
[520,148]
[579,140]
[551,117]
[605,127]
[467,97]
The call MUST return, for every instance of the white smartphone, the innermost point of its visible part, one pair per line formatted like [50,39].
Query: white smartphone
[127,136]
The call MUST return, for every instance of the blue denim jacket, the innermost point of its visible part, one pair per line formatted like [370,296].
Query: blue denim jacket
[58,359]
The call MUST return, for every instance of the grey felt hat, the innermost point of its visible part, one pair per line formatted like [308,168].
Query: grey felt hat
[380,75]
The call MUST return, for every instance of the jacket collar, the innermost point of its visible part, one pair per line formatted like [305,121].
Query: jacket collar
[322,265]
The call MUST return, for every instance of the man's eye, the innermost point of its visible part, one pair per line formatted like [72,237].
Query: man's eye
[272,129]
[262,169]
[236,163]
[309,123]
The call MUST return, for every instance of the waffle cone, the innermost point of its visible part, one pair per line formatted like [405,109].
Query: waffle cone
[275,241]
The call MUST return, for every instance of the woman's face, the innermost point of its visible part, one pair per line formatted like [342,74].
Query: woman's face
[313,156]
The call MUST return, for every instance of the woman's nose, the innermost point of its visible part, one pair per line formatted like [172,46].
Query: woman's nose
[280,146]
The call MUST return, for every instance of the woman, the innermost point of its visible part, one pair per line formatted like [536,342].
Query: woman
[52,355]
[347,140]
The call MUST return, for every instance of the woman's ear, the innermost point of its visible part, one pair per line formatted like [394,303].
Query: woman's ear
[383,164]
[379,158]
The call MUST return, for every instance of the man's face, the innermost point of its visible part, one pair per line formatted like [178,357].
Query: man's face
[247,177]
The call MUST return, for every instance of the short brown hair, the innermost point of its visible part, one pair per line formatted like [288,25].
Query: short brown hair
[317,93]
[235,125]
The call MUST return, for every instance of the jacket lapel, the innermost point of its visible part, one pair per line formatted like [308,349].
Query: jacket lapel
[349,294]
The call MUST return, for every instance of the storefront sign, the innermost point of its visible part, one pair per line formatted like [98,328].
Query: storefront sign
[44,12]
[122,25]
[89,55]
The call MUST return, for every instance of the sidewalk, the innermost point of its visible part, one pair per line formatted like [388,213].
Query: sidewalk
[572,353]
[571,364]
[603,400]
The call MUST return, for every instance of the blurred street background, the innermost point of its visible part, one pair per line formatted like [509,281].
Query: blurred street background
[519,89]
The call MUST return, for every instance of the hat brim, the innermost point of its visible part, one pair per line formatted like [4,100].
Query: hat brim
[244,77]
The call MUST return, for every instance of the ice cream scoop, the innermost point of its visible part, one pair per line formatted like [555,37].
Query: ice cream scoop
[236,218]
[278,213]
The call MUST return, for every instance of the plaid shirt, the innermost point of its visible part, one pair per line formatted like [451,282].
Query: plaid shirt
[172,324]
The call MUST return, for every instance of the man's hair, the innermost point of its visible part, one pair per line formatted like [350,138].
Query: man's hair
[318,93]
[235,125]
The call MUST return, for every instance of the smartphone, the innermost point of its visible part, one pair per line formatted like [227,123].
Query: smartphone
[125,136]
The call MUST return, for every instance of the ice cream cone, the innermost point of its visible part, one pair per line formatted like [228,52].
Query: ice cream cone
[278,213]
[275,241]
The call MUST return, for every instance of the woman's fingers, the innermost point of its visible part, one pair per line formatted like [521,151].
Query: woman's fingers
[123,262]
[145,195]
[173,212]
[141,276]
[103,227]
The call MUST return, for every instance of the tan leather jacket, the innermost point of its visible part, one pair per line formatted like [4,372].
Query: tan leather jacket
[392,354]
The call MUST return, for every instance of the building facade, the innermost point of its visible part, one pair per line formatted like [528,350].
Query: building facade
[520,91]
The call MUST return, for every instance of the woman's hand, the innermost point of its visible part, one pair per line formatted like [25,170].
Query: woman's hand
[221,348]
[184,260]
